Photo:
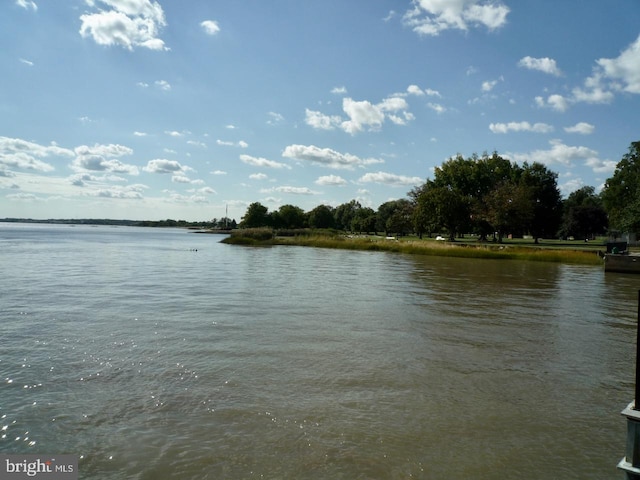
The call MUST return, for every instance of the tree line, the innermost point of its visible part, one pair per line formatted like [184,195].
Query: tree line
[487,195]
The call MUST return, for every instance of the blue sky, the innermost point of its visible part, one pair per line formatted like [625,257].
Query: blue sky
[143,109]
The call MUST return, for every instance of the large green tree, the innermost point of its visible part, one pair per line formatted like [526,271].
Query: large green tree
[345,213]
[621,193]
[546,200]
[255,216]
[288,216]
[321,217]
[583,215]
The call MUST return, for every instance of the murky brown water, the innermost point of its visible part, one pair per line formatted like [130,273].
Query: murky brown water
[153,360]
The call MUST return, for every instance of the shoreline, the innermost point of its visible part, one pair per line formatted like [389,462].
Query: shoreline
[544,253]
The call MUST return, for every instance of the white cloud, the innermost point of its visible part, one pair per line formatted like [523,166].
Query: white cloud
[174,133]
[546,65]
[258,176]
[559,153]
[625,68]
[27,5]
[582,128]
[436,107]
[291,190]
[327,157]
[275,118]
[218,172]
[390,179]
[210,27]
[161,165]
[415,90]
[339,90]
[331,180]
[520,127]
[488,85]
[26,62]
[555,102]
[163,85]
[601,166]
[361,114]
[139,134]
[430,17]
[18,153]
[129,24]
[321,121]
[262,162]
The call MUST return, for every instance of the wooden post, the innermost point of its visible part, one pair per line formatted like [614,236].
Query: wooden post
[630,464]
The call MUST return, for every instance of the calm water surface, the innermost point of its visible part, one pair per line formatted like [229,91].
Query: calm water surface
[158,354]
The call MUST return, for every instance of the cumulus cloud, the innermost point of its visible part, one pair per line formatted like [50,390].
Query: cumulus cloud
[327,157]
[258,176]
[331,180]
[339,90]
[125,23]
[321,121]
[436,107]
[362,115]
[161,165]
[210,27]
[390,179]
[558,154]
[430,17]
[520,127]
[546,65]
[610,76]
[582,128]
[102,158]
[25,155]
[554,102]
[601,166]
[262,162]
[128,192]
[625,68]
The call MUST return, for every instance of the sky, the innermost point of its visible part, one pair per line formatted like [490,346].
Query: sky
[189,110]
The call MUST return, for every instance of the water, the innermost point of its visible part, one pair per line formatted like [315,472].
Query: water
[157,354]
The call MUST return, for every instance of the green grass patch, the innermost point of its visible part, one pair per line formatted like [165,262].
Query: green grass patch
[327,239]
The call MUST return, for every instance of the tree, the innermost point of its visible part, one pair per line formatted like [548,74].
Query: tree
[394,217]
[288,216]
[546,200]
[620,193]
[345,213]
[509,208]
[583,215]
[364,220]
[255,216]
[321,217]
[442,207]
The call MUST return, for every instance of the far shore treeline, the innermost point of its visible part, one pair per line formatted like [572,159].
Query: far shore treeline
[488,196]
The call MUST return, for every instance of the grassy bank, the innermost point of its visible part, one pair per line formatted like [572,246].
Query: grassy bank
[543,253]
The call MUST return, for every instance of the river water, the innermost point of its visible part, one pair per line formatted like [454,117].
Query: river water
[162,353]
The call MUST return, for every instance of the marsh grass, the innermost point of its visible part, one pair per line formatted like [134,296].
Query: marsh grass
[421,247]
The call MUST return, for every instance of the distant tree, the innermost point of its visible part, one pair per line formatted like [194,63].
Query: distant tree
[509,208]
[345,213]
[583,215]
[621,193]
[546,214]
[442,207]
[288,216]
[255,216]
[321,217]
[364,220]
[395,216]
